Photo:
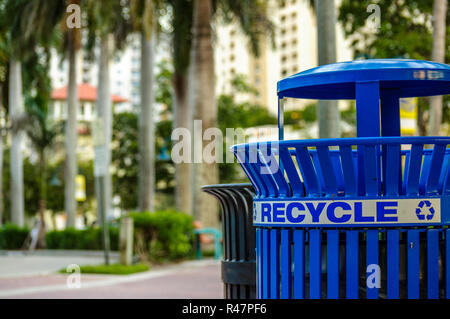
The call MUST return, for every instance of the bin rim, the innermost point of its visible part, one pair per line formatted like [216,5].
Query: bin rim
[275,144]
[226,186]
[413,78]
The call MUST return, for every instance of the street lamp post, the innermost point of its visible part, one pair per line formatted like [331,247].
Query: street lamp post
[100,172]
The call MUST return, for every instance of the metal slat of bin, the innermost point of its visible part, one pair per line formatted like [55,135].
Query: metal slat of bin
[315,264]
[274,273]
[239,262]
[372,259]
[285,255]
[333,264]
[393,264]
[352,275]
[447,263]
[299,264]
[433,264]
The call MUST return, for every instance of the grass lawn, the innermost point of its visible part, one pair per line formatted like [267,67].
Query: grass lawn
[114,269]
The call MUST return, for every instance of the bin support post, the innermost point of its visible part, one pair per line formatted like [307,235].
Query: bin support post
[367,108]
[390,112]
[280,118]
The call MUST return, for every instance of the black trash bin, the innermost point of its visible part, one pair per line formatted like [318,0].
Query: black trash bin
[239,258]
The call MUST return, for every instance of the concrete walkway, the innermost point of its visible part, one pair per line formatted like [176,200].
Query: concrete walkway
[25,263]
[34,276]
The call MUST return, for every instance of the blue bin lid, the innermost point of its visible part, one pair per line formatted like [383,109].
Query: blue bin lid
[337,81]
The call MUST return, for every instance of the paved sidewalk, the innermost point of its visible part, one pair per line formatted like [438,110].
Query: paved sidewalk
[24,263]
[187,280]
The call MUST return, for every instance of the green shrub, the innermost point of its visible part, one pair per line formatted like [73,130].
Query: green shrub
[114,269]
[12,236]
[163,234]
[83,239]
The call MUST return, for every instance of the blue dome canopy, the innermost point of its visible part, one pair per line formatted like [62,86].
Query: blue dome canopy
[337,81]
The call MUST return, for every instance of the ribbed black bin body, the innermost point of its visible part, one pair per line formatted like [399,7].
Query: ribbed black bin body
[239,239]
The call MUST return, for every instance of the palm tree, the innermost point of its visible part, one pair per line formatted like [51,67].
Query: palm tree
[3,103]
[253,22]
[40,130]
[327,110]
[106,22]
[182,11]
[438,55]
[28,24]
[16,111]
[144,16]
[72,45]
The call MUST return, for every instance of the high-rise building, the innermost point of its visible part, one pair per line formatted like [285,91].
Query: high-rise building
[294,50]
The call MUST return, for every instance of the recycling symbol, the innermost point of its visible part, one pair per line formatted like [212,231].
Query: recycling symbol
[425,210]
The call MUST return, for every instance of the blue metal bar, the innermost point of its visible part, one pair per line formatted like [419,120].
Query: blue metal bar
[308,171]
[390,112]
[259,282]
[413,270]
[333,264]
[286,278]
[280,119]
[299,264]
[392,167]
[291,172]
[445,170]
[446,179]
[274,172]
[348,170]
[318,170]
[412,175]
[265,264]
[426,166]
[447,263]
[367,108]
[267,179]
[352,275]
[243,159]
[315,264]
[329,176]
[372,259]
[274,272]
[371,169]
[432,185]
[393,264]
[337,167]
[433,263]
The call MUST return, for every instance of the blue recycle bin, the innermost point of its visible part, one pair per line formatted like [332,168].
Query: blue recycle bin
[363,217]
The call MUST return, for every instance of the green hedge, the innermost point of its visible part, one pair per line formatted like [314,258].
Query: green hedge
[163,234]
[83,239]
[12,236]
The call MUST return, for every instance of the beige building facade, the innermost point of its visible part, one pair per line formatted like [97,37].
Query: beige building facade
[295,51]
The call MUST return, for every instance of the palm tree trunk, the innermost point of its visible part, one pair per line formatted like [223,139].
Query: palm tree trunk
[327,110]
[146,127]
[42,199]
[104,111]
[16,112]
[205,109]
[438,55]
[1,178]
[183,118]
[70,203]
